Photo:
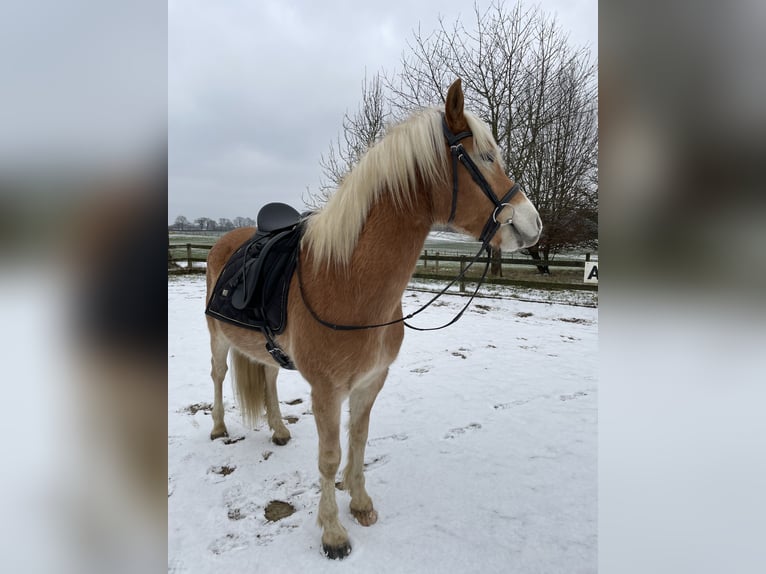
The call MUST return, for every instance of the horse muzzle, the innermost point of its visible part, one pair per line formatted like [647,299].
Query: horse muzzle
[522,227]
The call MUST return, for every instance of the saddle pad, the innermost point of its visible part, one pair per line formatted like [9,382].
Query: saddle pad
[252,289]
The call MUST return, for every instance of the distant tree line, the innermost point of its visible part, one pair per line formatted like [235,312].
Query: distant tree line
[206,224]
[536,91]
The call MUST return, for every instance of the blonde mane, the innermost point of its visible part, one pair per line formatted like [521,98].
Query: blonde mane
[410,151]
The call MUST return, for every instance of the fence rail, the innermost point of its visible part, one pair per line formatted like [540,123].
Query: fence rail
[429,267]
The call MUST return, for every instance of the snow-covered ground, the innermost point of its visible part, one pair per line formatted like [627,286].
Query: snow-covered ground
[481,454]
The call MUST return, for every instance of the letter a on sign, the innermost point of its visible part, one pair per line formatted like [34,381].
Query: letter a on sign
[591,272]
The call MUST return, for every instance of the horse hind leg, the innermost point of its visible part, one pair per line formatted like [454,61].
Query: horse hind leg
[281,435]
[219,351]
[361,400]
[256,386]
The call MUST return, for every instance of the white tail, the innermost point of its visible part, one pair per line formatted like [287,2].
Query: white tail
[249,380]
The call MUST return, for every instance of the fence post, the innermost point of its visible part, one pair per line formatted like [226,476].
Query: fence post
[425,259]
[188,256]
[587,257]
[436,262]
[462,277]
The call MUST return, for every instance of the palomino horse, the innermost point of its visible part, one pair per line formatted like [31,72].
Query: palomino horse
[356,257]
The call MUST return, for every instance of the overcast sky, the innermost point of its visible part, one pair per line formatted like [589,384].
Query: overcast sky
[258,89]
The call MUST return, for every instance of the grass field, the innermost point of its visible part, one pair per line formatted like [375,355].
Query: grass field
[180,238]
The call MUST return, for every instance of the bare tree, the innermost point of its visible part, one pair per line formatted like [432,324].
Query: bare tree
[538,95]
[205,223]
[225,224]
[360,131]
[243,222]
[181,223]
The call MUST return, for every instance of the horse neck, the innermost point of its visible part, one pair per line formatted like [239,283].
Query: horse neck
[387,250]
[393,236]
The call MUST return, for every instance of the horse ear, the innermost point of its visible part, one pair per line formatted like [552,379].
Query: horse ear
[454,108]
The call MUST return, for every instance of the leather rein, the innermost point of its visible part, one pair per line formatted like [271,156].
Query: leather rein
[491,227]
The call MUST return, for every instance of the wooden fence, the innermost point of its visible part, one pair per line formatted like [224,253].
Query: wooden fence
[566,274]
[188,253]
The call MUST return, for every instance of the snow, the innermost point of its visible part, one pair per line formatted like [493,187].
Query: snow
[481,454]
[573,297]
[451,237]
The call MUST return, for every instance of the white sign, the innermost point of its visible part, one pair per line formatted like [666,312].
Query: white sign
[591,272]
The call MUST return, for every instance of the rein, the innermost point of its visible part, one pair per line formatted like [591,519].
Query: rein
[490,228]
[340,327]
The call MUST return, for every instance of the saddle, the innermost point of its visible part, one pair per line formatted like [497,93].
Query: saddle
[252,289]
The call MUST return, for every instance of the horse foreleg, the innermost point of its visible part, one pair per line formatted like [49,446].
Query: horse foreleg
[281,435]
[326,404]
[360,403]
[219,350]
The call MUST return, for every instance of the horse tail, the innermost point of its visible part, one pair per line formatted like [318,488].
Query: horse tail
[250,387]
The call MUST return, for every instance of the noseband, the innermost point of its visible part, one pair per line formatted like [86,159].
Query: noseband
[460,155]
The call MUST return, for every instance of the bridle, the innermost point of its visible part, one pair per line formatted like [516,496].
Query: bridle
[459,155]
[491,227]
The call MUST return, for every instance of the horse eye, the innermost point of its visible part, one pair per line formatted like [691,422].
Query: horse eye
[488,157]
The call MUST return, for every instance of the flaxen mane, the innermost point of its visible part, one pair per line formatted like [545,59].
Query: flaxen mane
[412,149]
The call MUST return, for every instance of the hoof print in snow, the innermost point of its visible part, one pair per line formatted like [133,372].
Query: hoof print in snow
[226,543]
[519,402]
[573,396]
[266,454]
[294,402]
[233,440]
[420,370]
[375,462]
[523,314]
[235,514]
[206,408]
[277,510]
[481,309]
[397,437]
[223,470]
[460,353]
[575,320]
[456,432]
[290,419]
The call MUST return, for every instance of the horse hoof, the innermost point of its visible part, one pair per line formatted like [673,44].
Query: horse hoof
[336,552]
[214,435]
[365,517]
[280,441]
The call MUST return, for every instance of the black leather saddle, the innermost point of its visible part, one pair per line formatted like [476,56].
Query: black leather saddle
[252,289]
[277,216]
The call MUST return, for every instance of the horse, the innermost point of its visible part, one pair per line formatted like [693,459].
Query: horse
[355,259]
